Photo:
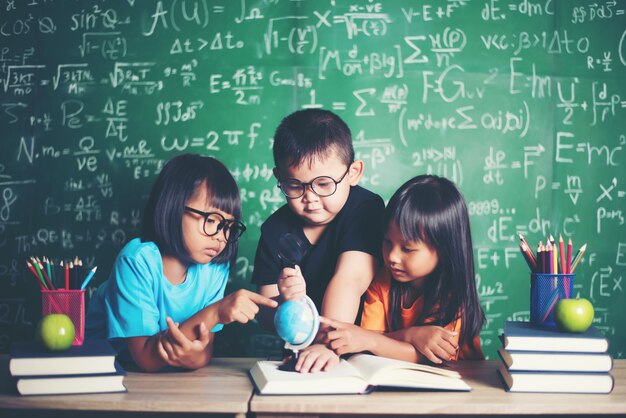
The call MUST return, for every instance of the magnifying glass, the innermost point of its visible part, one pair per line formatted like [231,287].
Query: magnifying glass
[301,314]
[291,250]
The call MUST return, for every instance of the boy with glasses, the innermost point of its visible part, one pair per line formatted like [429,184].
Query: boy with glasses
[339,222]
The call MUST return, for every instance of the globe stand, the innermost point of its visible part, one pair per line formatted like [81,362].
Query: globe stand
[290,364]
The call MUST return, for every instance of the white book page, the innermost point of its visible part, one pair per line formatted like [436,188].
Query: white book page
[369,365]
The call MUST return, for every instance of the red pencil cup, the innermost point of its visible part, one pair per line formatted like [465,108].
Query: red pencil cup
[545,291]
[70,303]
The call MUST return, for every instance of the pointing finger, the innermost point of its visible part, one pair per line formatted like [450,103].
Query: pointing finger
[262,300]
[327,321]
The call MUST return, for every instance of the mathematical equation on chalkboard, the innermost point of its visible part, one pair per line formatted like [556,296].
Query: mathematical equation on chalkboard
[520,102]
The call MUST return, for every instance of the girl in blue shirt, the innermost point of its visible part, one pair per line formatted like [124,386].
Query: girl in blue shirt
[164,298]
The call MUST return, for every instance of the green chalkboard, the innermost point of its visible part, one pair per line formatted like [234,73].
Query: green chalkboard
[521,103]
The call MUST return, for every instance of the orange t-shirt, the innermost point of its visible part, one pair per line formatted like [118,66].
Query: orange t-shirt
[376,315]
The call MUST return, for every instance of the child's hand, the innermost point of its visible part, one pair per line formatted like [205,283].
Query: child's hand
[315,358]
[346,338]
[437,344]
[242,306]
[291,284]
[177,350]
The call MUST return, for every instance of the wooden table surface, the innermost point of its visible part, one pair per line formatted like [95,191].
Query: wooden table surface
[224,388]
[221,388]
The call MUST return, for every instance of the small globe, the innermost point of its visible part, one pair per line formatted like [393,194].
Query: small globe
[297,322]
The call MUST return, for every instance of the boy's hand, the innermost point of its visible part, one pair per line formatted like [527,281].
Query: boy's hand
[346,338]
[177,350]
[315,358]
[291,284]
[241,306]
[437,344]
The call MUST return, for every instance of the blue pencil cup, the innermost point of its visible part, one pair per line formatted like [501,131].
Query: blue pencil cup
[545,291]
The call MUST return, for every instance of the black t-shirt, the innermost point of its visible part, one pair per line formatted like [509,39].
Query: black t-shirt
[357,227]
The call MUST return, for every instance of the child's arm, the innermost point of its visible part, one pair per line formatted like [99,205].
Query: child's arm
[190,345]
[153,353]
[354,272]
[348,338]
[429,342]
[353,275]
[434,343]
[290,286]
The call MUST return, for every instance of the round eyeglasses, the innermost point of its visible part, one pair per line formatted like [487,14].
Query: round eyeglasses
[215,222]
[323,186]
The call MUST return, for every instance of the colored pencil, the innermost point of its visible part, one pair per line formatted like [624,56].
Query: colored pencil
[37,276]
[524,250]
[47,263]
[550,259]
[67,276]
[521,238]
[562,254]
[88,278]
[568,268]
[45,276]
[36,265]
[551,304]
[538,259]
[53,270]
[555,255]
[578,257]
[530,253]
[530,258]
[72,275]
[569,256]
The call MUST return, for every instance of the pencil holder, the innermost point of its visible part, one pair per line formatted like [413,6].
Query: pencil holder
[70,303]
[545,291]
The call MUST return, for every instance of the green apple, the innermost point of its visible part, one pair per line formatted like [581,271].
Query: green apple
[55,332]
[573,315]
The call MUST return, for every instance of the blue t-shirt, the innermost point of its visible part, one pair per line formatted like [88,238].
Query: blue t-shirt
[137,297]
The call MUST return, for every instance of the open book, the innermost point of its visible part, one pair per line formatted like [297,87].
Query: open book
[359,374]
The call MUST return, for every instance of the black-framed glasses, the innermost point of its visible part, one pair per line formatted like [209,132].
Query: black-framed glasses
[323,186]
[214,222]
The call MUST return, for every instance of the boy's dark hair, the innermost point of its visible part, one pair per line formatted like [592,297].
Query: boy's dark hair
[431,209]
[176,184]
[310,133]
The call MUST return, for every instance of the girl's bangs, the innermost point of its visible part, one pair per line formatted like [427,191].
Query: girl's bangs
[222,194]
[416,222]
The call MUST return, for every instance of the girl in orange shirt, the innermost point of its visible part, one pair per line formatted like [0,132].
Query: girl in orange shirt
[423,304]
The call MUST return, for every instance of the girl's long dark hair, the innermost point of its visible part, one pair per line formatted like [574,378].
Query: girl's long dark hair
[432,210]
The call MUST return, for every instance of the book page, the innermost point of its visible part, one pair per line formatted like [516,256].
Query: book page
[342,379]
[369,365]
[381,371]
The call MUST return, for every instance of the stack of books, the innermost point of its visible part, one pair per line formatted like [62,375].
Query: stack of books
[538,359]
[90,368]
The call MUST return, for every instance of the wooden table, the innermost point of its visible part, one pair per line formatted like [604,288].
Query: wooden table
[222,389]
[487,398]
